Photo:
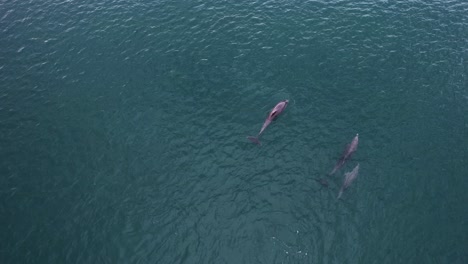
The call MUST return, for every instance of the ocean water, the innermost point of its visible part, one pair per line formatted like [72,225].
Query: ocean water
[123,130]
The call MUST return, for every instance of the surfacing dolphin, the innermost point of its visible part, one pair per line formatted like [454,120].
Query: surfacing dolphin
[278,109]
[349,178]
[349,150]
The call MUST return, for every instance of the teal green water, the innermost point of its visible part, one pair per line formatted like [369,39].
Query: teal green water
[123,130]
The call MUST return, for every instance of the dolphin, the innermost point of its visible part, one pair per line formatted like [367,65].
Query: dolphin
[349,178]
[278,109]
[349,150]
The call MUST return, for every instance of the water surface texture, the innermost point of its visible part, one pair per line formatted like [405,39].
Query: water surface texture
[123,130]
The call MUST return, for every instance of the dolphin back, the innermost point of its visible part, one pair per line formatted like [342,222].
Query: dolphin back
[349,178]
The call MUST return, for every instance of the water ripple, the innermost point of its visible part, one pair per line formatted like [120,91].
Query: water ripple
[124,124]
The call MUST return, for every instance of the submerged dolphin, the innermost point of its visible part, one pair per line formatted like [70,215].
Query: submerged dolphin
[349,178]
[349,150]
[279,107]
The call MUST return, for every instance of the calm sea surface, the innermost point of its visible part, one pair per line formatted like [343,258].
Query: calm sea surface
[123,128]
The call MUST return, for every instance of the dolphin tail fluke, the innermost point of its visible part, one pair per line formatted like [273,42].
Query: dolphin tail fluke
[339,194]
[254,140]
[338,166]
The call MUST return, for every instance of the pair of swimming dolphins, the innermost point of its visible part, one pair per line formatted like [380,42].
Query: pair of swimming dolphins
[349,150]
